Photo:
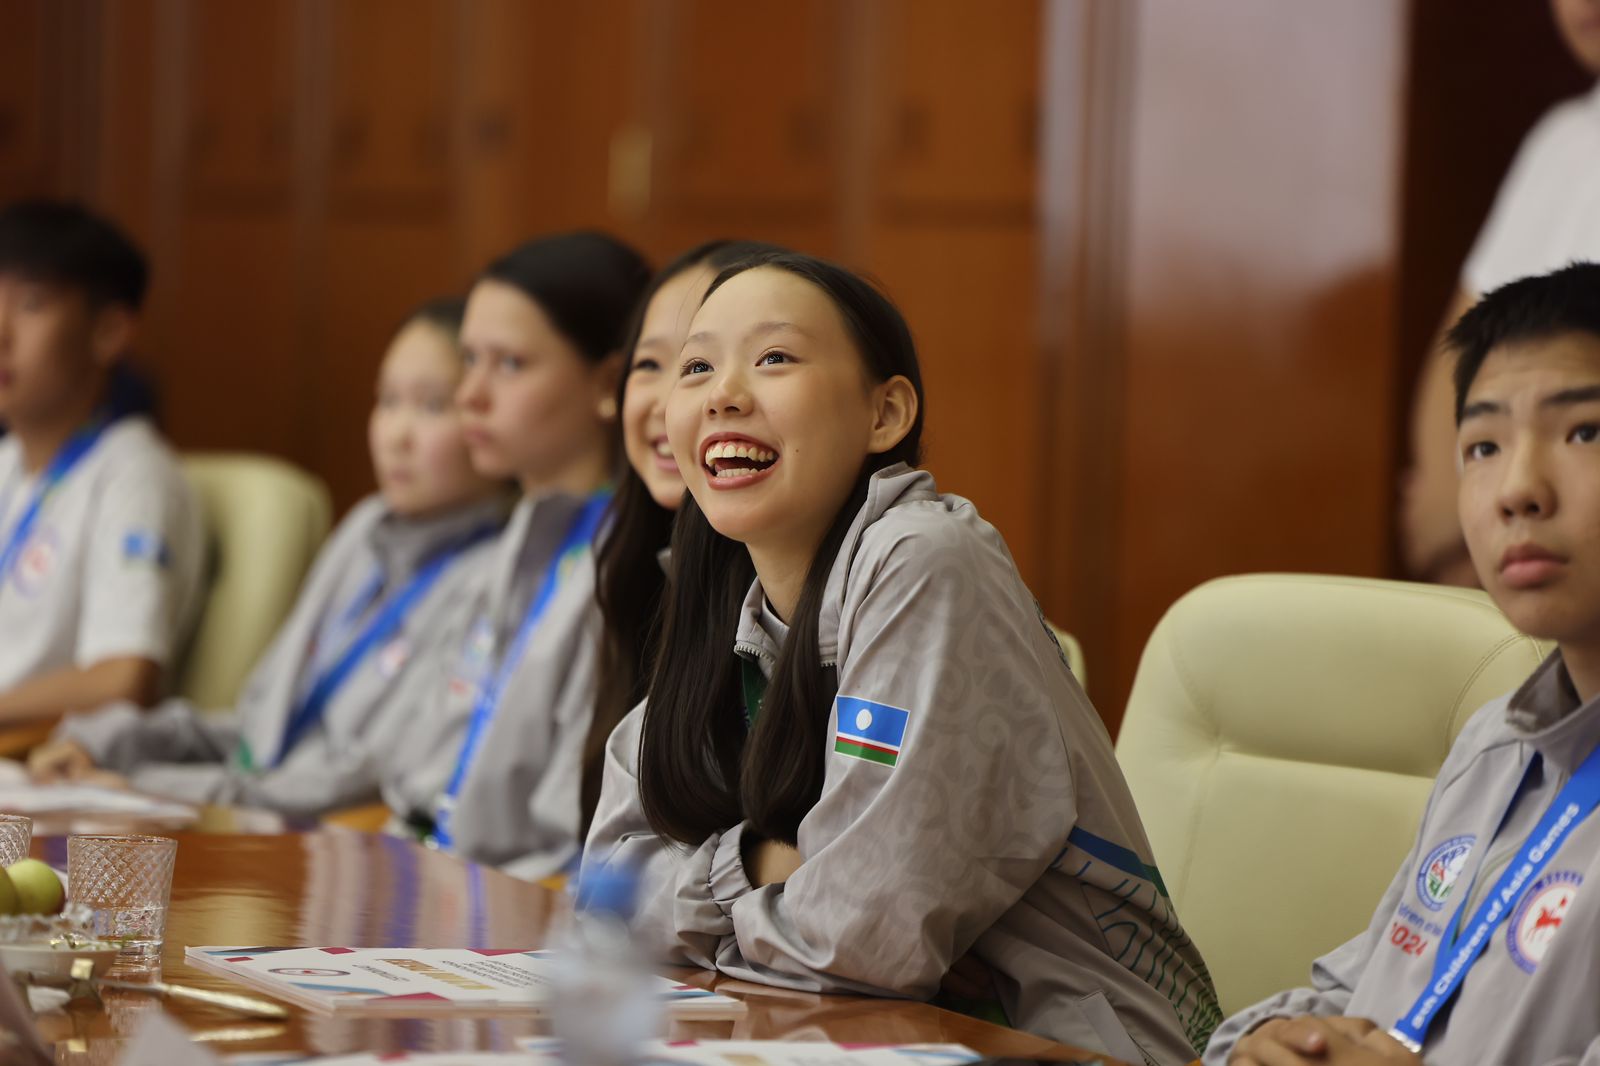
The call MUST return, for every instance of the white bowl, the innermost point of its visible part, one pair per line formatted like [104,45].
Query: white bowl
[56,961]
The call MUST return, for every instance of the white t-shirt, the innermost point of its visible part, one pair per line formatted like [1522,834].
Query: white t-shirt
[1547,212]
[115,562]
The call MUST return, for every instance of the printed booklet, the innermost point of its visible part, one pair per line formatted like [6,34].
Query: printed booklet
[418,980]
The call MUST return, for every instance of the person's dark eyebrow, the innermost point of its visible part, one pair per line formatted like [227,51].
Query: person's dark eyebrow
[1570,397]
[1481,409]
[758,330]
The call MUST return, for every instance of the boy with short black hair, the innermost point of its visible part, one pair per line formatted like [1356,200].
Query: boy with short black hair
[1483,948]
[101,546]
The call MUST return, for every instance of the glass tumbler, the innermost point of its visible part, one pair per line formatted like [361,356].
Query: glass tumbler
[127,882]
[16,833]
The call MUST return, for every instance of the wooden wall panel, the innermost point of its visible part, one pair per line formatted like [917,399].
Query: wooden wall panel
[750,132]
[1262,234]
[387,238]
[958,133]
[545,89]
[949,229]
[390,109]
[967,293]
[231,358]
[28,97]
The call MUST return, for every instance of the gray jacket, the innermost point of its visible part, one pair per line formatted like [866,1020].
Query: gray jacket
[1533,998]
[519,806]
[1004,827]
[177,750]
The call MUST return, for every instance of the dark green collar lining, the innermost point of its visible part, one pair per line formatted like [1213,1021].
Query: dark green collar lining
[754,683]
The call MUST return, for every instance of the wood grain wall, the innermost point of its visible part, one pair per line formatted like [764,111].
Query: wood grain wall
[1162,259]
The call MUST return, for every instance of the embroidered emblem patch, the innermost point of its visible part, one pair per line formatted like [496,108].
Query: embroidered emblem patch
[146,546]
[1537,919]
[1440,870]
[393,657]
[870,731]
[36,562]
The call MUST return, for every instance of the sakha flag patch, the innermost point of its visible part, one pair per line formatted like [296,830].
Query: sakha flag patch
[871,731]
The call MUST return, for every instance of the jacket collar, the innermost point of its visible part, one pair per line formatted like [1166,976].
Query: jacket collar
[886,489]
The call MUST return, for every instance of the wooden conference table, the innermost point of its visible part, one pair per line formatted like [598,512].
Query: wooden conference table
[342,887]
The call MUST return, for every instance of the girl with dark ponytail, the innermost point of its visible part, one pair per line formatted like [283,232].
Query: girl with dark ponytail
[492,763]
[862,760]
[649,490]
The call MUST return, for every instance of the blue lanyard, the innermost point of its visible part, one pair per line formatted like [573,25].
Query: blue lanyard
[1571,806]
[390,613]
[78,445]
[578,537]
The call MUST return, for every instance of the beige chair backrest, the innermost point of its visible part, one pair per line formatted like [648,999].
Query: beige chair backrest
[266,520]
[1074,653]
[1281,740]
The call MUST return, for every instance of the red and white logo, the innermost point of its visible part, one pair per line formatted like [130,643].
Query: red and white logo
[393,657]
[36,562]
[1539,917]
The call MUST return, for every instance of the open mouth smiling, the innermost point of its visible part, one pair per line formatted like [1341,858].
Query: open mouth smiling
[736,461]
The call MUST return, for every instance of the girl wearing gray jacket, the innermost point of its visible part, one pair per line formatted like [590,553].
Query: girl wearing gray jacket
[318,716]
[863,760]
[492,765]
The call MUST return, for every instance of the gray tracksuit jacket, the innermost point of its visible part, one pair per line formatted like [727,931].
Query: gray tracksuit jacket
[1002,828]
[1533,998]
[177,750]
[519,806]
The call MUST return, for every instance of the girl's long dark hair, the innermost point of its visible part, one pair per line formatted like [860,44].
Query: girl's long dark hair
[700,770]
[630,580]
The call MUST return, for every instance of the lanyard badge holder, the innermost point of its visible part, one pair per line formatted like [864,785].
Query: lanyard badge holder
[309,711]
[79,445]
[1457,954]
[578,537]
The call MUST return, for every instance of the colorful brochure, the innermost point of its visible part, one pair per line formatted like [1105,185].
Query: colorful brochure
[419,980]
[543,1051]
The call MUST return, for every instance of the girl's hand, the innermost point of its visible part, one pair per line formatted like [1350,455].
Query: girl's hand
[1336,1041]
[59,760]
[771,863]
[103,779]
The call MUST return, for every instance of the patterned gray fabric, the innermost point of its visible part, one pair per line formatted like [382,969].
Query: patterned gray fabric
[519,807]
[178,750]
[1003,829]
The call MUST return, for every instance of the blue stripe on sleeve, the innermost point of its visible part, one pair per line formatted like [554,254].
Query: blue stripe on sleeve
[1115,855]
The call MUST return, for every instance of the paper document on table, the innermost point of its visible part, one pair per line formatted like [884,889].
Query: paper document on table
[85,799]
[777,1053]
[545,1051]
[419,980]
[785,1053]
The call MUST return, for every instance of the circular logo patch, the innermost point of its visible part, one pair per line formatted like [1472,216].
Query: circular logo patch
[1537,919]
[36,562]
[393,657]
[1440,870]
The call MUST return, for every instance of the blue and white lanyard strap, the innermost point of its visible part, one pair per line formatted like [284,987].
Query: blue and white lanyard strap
[386,619]
[1457,955]
[578,537]
[78,445]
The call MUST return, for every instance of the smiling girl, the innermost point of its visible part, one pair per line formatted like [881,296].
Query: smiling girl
[631,568]
[863,758]
[318,714]
[493,763]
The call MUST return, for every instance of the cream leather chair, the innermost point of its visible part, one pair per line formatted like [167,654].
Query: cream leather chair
[1074,653]
[266,520]
[1281,739]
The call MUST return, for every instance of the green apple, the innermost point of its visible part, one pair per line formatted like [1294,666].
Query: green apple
[36,886]
[9,903]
